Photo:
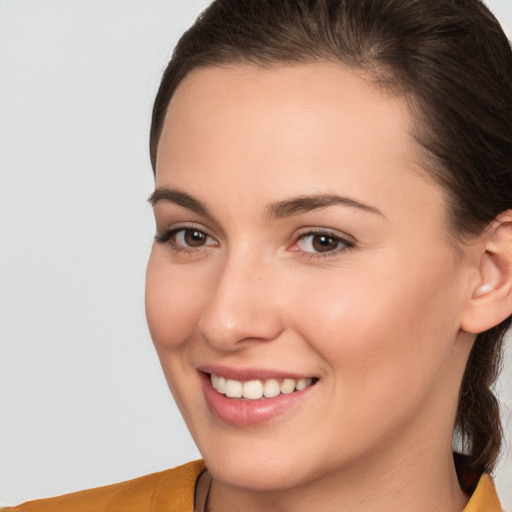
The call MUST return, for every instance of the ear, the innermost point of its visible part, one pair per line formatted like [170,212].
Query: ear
[491,297]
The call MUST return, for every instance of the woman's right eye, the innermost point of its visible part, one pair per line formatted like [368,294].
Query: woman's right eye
[185,238]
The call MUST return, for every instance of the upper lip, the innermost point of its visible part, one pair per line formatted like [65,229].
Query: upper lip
[246,374]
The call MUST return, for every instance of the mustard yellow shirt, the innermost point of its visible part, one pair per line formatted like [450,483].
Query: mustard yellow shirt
[173,491]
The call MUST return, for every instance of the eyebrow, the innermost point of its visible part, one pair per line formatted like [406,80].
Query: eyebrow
[276,210]
[302,204]
[178,197]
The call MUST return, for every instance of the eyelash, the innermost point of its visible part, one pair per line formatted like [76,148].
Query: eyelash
[343,244]
[166,237]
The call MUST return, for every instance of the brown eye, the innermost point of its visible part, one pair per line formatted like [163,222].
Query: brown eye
[318,243]
[193,237]
[186,239]
[324,243]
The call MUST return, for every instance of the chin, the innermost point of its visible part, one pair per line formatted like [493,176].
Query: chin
[266,461]
[256,473]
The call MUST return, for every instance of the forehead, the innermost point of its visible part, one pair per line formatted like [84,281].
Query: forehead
[309,91]
[289,130]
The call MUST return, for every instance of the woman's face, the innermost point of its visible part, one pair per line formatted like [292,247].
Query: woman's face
[298,244]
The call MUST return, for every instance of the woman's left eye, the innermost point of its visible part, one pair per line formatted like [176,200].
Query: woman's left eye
[186,238]
[322,243]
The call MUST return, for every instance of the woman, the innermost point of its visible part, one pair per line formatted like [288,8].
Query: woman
[331,277]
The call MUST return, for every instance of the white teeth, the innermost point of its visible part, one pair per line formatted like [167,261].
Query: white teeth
[233,388]
[253,389]
[271,388]
[257,389]
[221,385]
[302,384]
[288,386]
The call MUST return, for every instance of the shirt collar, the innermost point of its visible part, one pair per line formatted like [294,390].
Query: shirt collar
[484,499]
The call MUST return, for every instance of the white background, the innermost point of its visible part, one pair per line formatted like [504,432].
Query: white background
[82,399]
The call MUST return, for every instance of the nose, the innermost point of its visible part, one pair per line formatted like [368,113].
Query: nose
[242,306]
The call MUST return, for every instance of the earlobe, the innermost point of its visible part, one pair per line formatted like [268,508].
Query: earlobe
[491,298]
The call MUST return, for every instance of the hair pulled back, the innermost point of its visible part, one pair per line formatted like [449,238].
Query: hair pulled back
[452,61]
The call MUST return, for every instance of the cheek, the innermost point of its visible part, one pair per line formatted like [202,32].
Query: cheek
[173,302]
[386,348]
[377,326]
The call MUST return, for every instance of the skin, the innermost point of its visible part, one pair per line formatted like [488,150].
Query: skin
[377,320]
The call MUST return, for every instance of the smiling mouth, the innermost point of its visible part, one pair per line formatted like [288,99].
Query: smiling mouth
[258,389]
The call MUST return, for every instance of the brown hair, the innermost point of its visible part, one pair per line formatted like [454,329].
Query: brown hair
[452,59]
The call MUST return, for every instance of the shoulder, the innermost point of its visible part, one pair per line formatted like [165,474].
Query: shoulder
[172,489]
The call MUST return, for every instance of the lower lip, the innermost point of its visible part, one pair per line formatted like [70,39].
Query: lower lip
[249,412]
